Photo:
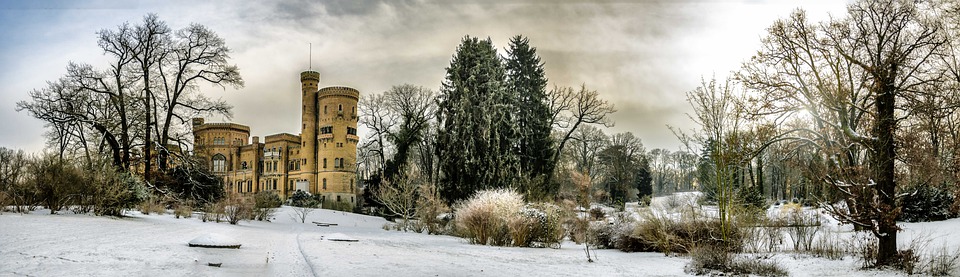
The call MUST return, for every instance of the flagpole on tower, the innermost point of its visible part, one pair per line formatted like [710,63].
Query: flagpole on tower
[311,55]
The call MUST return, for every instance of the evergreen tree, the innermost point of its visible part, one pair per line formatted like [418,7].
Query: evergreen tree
[528,84]
[644,178]
[478,135]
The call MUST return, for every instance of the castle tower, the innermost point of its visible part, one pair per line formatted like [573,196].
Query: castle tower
[337,145]
[309,81]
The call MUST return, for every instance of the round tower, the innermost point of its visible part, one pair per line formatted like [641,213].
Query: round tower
[309,81]
[337,145]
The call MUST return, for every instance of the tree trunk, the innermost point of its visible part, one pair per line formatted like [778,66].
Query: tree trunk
[885,154]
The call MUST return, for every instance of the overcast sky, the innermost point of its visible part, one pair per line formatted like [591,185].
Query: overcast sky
[640,55]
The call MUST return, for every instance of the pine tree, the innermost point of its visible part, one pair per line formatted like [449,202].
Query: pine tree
[478,134]
[527,82]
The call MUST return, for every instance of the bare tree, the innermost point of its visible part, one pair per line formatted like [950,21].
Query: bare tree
[572,108]
[849,73]
[197,56]
[399,196]
[301,213]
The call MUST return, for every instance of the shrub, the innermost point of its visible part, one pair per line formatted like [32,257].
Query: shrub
[5,201]
[432,210]
[265,203]
[151,206]
[192,182]
[483,218]
[705,259]
[670,235]
[115,191]
[303,199]
[802,227]
[536,225]
[943,263]
[616,233]
[926,203]
[828,246]
[597,213]
[236,208]
[184,210]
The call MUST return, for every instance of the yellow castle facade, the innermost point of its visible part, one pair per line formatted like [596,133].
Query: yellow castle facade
[320,160]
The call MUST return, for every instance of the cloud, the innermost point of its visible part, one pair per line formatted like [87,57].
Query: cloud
[640,55]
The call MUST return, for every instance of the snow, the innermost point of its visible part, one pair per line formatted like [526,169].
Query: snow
[340,237]
[40,244]
[214,240]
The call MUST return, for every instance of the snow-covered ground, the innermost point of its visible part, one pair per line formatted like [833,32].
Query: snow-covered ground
[40,244]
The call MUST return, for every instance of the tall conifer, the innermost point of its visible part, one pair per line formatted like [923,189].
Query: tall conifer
[527,82]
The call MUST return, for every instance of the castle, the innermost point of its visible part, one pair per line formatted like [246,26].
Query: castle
[321,160]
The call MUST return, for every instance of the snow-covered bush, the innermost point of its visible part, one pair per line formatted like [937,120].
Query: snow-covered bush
[483,218]
[265,203]
[616,233]
[537,225]
[926,203]
[710,259]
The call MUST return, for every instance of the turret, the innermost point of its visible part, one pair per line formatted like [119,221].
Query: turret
[309,81]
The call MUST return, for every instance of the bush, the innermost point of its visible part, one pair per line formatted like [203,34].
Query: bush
[705,259]
[802,227]
[265,203]
[617,233]
[184,210]
[537,225]
[151,206]
[192,182]
[943,263]
[303,199]
[236,208]
[115,191]
[432,210]
[828,246]
[597,213]
[669,235]
[483,218]
[926,203]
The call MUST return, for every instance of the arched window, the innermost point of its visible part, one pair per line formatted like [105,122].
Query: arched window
[340,108]
[324,162]
[324,183]
[219,163]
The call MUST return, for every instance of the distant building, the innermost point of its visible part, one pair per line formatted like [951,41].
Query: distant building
[321,160]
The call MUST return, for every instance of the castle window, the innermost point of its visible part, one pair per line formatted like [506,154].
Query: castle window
[324,183]
[324,162]
[324,109]
[219,163]
[249,186]
[351,185]
[243,166]
[340,108]
[351,131]
[338,198]
[326,130]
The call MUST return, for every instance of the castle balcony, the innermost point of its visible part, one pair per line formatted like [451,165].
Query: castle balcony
[354,138]
[325,136]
